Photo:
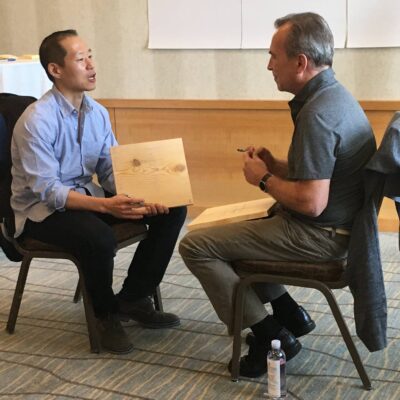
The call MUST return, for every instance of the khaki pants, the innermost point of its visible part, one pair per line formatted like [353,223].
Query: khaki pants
[208,253]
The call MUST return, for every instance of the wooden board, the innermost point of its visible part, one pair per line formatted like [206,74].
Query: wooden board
[155,171]
[232,213]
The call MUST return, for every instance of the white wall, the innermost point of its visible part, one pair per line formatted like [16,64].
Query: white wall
[117,30]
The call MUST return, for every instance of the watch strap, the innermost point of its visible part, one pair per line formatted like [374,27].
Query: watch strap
[263,182]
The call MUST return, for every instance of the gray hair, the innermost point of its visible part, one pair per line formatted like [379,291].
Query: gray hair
[309,35]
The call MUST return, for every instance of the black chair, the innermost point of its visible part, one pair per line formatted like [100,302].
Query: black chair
[11,107]
[25,249]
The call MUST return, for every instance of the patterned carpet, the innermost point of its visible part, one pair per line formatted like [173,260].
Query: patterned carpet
[48,356]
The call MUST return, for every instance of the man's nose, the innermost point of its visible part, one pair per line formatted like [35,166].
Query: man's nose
[89,63]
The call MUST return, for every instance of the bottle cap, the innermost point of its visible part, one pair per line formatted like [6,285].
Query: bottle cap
[276,344]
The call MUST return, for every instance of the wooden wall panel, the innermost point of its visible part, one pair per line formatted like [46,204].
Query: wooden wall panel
[212,130]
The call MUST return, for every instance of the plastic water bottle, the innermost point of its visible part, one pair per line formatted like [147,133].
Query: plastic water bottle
[276,360]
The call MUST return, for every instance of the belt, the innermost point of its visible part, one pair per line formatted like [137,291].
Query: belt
[339,231]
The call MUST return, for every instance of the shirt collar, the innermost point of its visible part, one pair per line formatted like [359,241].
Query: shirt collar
[66,107]
[323,79]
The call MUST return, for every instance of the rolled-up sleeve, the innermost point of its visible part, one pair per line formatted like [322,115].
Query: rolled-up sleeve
[35,143]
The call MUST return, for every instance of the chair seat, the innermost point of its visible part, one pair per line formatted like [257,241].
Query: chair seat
[331,271]
[123,231]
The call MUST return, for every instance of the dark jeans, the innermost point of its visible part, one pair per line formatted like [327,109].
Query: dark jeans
[89,237]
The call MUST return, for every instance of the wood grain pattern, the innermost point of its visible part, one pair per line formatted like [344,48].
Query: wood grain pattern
[213,129]
[155,171]
[232,213]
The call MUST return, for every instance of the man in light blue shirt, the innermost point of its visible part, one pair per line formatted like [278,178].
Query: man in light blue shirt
[59,143]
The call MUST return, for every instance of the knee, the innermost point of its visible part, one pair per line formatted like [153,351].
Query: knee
[177,215]
[188,246]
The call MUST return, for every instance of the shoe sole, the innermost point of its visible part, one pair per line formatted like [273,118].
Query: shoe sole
[293,351]
[118,352]
[306,329]
[299,333]
[127,318]
[255,375]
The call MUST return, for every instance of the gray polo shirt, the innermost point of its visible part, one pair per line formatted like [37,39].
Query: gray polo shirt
[333,140]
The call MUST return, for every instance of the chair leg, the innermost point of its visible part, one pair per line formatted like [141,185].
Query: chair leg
[95,346]
[19,291]
[237,330]
[158,300]
[78,292]
[344,330]
[91,322]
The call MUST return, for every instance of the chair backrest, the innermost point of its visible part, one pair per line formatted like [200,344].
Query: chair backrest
[11,108]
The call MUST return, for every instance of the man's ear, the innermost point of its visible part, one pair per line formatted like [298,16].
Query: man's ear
[302,63]
[54,70]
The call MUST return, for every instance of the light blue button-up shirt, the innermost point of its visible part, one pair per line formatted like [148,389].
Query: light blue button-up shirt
[56,149]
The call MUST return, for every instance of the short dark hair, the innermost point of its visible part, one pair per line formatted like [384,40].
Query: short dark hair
[51,51]
[310,35]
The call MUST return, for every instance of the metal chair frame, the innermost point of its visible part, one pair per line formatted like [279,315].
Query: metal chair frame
[323,287]
[52,252]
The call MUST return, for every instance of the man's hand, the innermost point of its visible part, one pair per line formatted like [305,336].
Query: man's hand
[156,209]
[267,157]
[119,206]
[254,168]
[122,206]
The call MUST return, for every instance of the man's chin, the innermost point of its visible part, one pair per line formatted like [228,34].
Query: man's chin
[90,87]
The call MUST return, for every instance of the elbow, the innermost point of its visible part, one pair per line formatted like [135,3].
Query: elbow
[313,197]
[314,210]
[314,213]
[53,196]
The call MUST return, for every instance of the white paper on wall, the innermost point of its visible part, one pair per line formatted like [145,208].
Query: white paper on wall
[248,24]
[374,23]
[259,17]
[194,24]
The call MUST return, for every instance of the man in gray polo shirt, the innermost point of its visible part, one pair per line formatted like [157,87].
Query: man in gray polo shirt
[318,190]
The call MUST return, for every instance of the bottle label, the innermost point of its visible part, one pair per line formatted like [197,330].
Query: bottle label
[274,378]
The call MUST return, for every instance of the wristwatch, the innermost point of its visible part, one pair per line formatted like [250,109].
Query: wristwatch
[263,182]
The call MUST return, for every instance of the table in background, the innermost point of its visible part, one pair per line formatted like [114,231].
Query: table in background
[23,77]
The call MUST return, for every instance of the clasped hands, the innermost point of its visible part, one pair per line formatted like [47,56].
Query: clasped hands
[123,206]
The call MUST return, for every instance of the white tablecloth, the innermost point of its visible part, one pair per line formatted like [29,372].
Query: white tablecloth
[23,77]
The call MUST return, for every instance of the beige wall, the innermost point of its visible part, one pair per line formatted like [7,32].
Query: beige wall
[117,30]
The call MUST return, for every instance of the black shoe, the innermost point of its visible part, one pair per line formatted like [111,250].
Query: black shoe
[143,311]
[112,335]
[299,323]
[254,364]
[8,248]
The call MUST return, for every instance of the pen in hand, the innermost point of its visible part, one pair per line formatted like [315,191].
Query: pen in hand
[241,150]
